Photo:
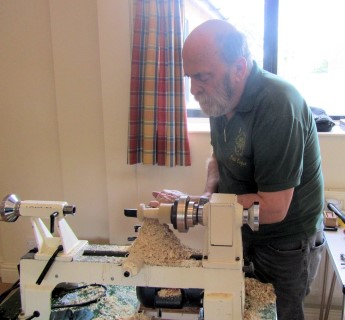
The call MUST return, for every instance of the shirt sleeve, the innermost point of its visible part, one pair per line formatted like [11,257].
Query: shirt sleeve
[278,148]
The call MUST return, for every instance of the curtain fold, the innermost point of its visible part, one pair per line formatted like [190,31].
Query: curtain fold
[157,120]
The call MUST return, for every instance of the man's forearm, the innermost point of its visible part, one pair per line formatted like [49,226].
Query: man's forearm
[212,179]
[211,186]
[273,205]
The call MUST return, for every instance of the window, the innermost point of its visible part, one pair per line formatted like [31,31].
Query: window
[301,41]
[311,51]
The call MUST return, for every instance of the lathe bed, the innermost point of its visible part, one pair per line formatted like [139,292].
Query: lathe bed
[103,272]
[107,270]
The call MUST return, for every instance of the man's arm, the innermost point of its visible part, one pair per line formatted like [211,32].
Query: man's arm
[212,179]
[168,196]
[273,205]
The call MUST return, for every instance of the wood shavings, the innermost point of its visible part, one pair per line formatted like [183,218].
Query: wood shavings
[190,263]
[169,293]
[138,316]
[258,297]
[158,245]
[113,308]
[83,295]
[103,259]
[120,302]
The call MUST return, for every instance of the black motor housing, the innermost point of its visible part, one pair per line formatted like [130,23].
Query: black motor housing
[149,298]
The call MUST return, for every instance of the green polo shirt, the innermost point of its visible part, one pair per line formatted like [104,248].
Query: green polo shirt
[271,144]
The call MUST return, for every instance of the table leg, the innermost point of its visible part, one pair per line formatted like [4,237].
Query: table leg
[342,309]
[324,286]
[330,296]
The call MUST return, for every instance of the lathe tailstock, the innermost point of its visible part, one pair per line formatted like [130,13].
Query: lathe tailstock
[220,274]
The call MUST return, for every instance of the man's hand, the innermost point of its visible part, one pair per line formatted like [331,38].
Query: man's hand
[165,196]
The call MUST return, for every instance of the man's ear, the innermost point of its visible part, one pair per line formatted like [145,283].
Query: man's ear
[241,68]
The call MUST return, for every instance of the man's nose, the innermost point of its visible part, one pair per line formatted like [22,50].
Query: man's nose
[195,87]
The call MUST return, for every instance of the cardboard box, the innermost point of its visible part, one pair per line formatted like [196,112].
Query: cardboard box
[330,219]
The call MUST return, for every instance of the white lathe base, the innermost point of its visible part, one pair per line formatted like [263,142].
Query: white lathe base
[223,295]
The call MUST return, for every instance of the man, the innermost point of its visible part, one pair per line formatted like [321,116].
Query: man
[265,149]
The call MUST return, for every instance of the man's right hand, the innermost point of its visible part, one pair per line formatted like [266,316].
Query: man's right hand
[165,196]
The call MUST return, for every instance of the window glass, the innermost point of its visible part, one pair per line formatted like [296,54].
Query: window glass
[311,48]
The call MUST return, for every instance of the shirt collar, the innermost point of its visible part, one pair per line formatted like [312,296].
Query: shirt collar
[253,86]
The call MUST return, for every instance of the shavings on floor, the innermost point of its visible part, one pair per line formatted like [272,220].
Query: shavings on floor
[138,316]
[259,299]
[119,302]
[80,295]
[113,308]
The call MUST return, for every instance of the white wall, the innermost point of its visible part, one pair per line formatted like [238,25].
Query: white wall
[64,97]
[333,153]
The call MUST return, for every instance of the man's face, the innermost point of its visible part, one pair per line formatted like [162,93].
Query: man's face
[211,82]
[215,101]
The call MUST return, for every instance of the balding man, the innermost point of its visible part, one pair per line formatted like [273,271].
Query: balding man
[266,150]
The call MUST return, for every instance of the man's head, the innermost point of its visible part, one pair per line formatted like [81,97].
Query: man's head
[217,59]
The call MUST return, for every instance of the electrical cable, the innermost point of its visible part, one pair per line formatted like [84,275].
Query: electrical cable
[82,304]
[36,314]
[49,264]
[8,291]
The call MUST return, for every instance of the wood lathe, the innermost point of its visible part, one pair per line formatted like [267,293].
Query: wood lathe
[215,283]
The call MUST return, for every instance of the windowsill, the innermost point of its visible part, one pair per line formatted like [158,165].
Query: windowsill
[202,125]
[336,131]
[198,125]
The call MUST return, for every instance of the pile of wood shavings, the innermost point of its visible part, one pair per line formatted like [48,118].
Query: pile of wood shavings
[120,302]
[169,293]
[258,296]
[113,308]
[158,245]
[85,294]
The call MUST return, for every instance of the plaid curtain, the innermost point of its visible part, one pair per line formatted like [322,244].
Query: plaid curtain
[157,120]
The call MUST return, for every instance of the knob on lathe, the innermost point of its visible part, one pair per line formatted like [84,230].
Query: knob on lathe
[9,208]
